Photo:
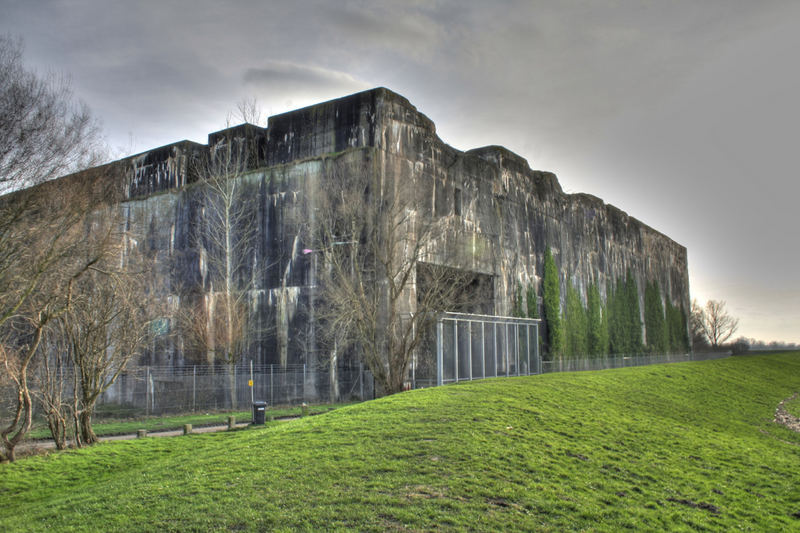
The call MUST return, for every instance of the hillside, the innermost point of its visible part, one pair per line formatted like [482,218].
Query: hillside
[683,446]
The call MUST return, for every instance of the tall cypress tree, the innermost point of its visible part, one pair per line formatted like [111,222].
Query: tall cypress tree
[597,338]
[575,324]
[683,331]
[531,303]
[633,314]
[677,335]
[517,310]
[552,306]
[613,329]
[604,332]
[654,321]
[618,320]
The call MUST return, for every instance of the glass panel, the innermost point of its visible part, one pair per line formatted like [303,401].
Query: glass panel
[448,350]
[502,349]
[489,348]
[477,349]
[522,352]
[464,363]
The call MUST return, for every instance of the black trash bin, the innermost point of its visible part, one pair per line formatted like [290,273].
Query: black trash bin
[259,413]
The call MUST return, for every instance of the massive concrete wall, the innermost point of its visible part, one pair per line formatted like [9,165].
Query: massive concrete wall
[496,213]
[509,214]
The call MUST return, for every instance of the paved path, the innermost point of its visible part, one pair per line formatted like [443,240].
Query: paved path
[48,444]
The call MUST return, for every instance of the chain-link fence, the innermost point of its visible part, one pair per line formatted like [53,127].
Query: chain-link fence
[165,389]
[466,349]
[577,364]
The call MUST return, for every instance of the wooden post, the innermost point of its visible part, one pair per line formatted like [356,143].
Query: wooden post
[187,429]
[141,433]
[231,422]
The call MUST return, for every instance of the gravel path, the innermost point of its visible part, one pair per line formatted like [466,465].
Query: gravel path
[48,444]
[783,417]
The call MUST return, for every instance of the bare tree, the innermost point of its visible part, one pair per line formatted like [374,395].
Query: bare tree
[40,275]
[699,340]
[248,110]
[219,324]
[106,326]
[44,132]
[103,325]
[713,322]
[16,358]
[380,290]
[55,388]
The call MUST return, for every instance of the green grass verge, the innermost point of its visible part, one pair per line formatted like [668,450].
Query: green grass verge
[687,446]
[122,427]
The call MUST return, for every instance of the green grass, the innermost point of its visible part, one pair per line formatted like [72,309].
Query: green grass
[687,446]
[154,423]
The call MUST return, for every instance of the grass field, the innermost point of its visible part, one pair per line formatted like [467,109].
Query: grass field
[687,446]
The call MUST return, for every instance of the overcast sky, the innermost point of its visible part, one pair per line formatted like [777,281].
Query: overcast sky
[685,114]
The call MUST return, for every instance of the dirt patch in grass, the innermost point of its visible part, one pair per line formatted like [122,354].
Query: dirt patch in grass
[713,509]
[423,491]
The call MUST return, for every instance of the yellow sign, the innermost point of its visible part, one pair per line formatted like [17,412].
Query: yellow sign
[249,382]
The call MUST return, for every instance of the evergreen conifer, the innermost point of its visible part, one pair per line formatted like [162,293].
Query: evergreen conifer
[552,306]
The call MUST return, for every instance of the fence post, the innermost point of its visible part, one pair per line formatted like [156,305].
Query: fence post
[469,351]
[271,388]
[483,349]
[361,380]
[194,388]
[252,383]
[414,370]
[494,337]
[304,382]
[414,357]
[508,351]
[528,347]
[455,346]
[147,391]
[516,351]
[439,355]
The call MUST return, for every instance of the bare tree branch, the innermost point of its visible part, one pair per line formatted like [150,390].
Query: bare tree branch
[713,322]
[380,293]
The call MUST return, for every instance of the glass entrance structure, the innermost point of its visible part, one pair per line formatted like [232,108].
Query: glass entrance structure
[481,346]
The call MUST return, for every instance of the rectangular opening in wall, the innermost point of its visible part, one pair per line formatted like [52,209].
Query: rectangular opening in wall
[457,201]
[440,199]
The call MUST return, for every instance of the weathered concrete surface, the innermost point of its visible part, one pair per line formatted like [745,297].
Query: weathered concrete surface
[495,212]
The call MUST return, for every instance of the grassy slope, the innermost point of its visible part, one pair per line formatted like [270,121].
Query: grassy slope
[682,446]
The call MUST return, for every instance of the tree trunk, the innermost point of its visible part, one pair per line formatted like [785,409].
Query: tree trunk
[24,415]
[232,384]
[58,429]
[24,412]
[333,378]
[86,431]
